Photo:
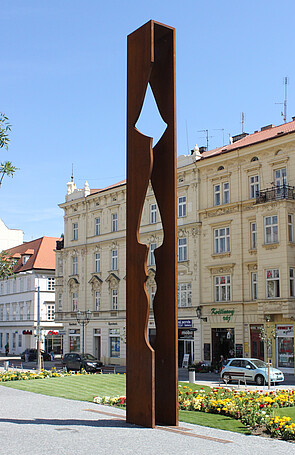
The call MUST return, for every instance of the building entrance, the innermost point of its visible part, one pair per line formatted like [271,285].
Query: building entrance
[257,346]
[223,343]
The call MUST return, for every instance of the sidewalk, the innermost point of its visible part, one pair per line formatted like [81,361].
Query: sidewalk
[33,424]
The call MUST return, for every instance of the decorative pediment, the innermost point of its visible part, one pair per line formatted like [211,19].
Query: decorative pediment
[113,280]
[73,284]
[95,282]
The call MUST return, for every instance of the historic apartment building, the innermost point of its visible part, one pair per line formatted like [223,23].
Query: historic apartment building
[31,287]
[236,246]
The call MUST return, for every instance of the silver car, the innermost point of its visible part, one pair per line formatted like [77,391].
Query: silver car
[250,370]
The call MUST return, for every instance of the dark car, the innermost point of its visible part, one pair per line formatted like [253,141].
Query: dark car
[31,355]
[78,362]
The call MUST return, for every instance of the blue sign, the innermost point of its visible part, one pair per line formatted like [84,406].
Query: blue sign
[185,323]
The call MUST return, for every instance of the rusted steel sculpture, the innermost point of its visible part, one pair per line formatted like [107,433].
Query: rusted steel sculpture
[152,389]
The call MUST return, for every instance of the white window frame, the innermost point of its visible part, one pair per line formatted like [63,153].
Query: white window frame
[97,226]
[114,222]
[97,263]
[222,288]
[114,299]
[51,283]
[290,227]
[292,282]
[222,240]
[152,259]
[153,213]
[253,186]
[182,249]
[97,300]
[75,265]
[59,299]
[114,337]
[217,194]
[184,295]
[60,266]
[272,282]
[74,301]
[114,259]
[254,285]
[50,312]
[253,235]
[75,231]
[271,229]
[225,192]
[181,206]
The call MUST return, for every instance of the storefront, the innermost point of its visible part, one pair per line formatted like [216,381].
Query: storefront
[285,347]
[74,340]
[54,341]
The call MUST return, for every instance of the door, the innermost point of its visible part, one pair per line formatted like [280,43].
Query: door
[257,346]
[97,348]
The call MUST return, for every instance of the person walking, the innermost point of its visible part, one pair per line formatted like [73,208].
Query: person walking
[6,349]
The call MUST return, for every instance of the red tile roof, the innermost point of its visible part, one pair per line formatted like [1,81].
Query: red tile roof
[259,136]
[41,252]
[122,182]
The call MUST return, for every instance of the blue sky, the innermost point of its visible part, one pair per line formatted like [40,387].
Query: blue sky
[63,87]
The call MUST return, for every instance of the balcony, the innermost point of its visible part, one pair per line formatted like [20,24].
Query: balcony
[275,193]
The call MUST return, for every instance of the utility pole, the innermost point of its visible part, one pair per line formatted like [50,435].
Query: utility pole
[38,330]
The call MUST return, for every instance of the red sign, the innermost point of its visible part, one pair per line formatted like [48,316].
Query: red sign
[27,332]
[52,332]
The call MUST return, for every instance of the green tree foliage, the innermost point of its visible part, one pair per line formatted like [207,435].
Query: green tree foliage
[6,167]
[6,265]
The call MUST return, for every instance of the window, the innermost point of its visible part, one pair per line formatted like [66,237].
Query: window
[50,283]
[222,288]
[114,299]
[280,180]
[21,311]
[182,249]
[254,285]
[153,213]
[97,300]
[60,267]
[114,335]
[13,340]
[153,290]
[272,283]
[8,286]
[75,265]
[59,299]
[217,198]
[181,206]
[253,186]
[97,226]
[25,259]
[271,229]
[50,312]
[184,295]
[114,222]
[28,283]
[114,259]
[28,305]
[152,259]
[225,192]
[75,231]
[292,282]
[290,228]
[74,301]
[20,340]
[97,262]
[221,240]
[1,313]
[253,236]
[2,289]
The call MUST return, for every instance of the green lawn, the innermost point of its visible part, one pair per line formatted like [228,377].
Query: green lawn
[85,387]
[288,412]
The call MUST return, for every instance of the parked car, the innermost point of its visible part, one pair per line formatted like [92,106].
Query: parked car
[251,370]
[31,355]
[77,362]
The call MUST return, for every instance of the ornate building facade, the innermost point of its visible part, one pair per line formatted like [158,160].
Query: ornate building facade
[236,255]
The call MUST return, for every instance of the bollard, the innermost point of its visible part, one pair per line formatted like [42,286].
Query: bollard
[191,376]
[6,363]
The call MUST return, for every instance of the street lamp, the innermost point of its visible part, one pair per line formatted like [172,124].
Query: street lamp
[199,314]
[83,318]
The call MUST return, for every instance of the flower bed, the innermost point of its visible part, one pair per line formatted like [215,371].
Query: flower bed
[14,375]
[252,408]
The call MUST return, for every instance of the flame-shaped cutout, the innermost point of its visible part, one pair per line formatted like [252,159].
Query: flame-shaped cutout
[150,122]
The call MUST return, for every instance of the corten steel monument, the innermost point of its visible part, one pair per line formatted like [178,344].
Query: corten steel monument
[152,375]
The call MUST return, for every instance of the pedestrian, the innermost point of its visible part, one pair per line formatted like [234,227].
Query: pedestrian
[6,349]
[52,355]
[221,362]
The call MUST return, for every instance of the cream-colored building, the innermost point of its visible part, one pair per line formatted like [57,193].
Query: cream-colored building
[91,269]
[236,247]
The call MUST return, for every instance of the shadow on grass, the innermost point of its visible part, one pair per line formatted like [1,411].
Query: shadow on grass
[218,421]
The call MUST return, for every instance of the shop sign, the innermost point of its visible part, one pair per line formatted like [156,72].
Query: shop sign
[226,314]
[74,331]
[52,332]
[185,323]
[246,347]
[112,323]
[185,334]
[27,332]
[285,331]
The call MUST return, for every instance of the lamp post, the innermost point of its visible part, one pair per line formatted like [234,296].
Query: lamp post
[38,331]
[83,318]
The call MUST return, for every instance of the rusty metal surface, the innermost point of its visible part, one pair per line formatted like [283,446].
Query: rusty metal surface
[151,376]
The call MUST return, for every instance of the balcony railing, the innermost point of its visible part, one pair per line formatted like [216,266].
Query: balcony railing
[275,193]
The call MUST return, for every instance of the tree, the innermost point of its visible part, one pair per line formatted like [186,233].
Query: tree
[6,167]
[6,265]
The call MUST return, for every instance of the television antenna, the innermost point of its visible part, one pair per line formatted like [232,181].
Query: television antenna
[284,113]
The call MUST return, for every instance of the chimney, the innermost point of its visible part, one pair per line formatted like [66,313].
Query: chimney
[238,137]
[202,149]
[267,127]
